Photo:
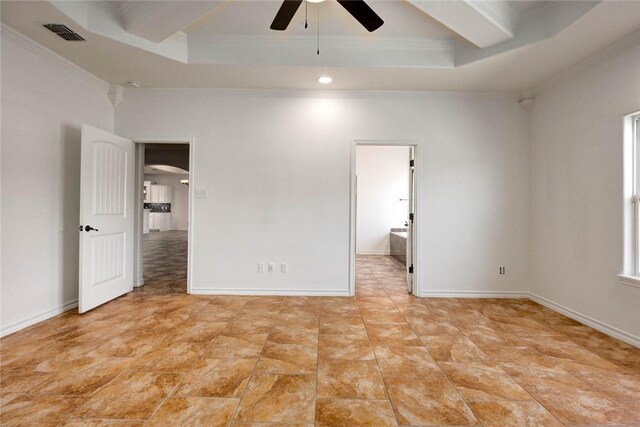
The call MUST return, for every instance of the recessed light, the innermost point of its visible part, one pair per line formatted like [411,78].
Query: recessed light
[134,83]
[315,1]
[325,80]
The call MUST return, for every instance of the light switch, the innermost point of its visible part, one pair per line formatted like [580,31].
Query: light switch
[201,193]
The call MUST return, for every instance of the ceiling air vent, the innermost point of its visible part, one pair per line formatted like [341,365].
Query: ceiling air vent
[65,32]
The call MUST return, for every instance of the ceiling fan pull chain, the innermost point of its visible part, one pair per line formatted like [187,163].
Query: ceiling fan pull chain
[318,34]
[306,8]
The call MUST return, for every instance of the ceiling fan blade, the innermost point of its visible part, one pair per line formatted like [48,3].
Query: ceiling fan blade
[363,13]
[285,14]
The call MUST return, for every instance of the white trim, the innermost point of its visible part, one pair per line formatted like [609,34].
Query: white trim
[15,327]
[138,283]
[373,252]
[473,294]
[415,143]
[589,321]
[266,291]
[328,41]
[629,280]
[7,33]
[192,181]
[334,93]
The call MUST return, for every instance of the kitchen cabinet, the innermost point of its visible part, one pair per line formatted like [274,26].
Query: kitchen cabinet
[159,221]
[161,193]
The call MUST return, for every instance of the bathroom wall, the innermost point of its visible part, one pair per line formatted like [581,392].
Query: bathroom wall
[383,179]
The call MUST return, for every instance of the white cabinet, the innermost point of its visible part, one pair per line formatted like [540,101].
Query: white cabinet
[160,221]
[160,193]
[145,221]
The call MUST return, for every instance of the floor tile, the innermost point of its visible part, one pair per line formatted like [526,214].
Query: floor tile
[345,325]
[96,422]
[171,357]
[237,346]
[453,348]
[478,382]
[350,379]
[187,359]
[278,398]
[194,411]
[392,334]
[429,400]
[572,401]
[217,378]
[84,380]
[285,335]
[279,358]
[350,347]
[514,414]
[38,410]
[133,395]
[347,413]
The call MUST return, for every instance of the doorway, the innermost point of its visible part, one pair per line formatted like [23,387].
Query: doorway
[383,218]
[164,183]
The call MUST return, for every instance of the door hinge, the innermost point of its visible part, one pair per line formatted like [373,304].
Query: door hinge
[411,269]
[634,199]
[411,216]
[411,163]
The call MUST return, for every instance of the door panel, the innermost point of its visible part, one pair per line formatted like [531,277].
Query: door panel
[106,217]
[410,225]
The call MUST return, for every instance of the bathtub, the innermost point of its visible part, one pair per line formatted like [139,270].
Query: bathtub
[398,243]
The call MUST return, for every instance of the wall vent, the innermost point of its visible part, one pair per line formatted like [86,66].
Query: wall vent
[65,32]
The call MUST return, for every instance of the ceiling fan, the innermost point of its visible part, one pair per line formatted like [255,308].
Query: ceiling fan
[357,8]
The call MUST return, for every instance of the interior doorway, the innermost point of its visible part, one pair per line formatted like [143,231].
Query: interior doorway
[384,218]
[164,182]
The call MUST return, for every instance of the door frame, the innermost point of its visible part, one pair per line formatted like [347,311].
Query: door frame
[139,183]
[353,203]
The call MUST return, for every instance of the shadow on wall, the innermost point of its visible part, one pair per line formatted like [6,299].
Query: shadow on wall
[70,210]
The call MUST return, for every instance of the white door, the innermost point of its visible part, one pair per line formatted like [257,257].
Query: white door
[410,224]
[106,217]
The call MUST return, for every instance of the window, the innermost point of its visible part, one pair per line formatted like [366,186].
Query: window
[631,268]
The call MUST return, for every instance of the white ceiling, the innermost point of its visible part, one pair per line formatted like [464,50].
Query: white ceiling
[228,44]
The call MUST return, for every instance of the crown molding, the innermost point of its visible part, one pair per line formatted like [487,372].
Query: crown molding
[337,42]
[499,12]
[331,94]
[11,35]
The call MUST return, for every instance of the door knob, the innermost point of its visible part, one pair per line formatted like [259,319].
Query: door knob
[90,228]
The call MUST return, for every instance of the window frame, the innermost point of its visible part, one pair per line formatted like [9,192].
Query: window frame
[631,265]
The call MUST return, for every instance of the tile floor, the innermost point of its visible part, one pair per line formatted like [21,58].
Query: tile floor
[160,357]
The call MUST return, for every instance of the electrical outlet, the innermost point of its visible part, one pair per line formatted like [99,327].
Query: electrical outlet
[283,268]
[271,267]
[261,267]
[502,270]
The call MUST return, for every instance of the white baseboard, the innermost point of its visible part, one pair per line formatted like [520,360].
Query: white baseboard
[262,291]
[473,294]
[15,327]
[138,283]
[589,321]
[374,252]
